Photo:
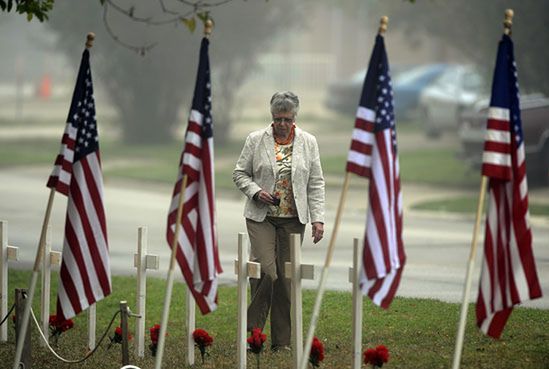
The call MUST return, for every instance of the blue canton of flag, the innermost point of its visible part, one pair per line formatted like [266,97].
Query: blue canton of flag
[385,115]
[87,139]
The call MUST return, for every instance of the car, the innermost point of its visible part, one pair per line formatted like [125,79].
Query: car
[443,101]
[408,82]
[535,128]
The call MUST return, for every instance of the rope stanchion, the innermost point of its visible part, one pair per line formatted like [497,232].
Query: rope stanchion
[7,315]
[87,355]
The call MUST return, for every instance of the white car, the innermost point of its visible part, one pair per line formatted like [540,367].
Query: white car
[442,102]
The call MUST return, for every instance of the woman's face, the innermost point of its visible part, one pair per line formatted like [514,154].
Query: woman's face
[282,124]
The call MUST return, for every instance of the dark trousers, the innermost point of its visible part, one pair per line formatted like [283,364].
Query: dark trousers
[270,246]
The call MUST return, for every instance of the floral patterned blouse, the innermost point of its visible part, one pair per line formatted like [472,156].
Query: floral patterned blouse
[283,184]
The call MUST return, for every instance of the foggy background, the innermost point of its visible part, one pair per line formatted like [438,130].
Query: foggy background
[316,48]
[257,47]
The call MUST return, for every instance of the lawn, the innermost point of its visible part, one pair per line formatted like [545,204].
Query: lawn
[419,333]
[468,204]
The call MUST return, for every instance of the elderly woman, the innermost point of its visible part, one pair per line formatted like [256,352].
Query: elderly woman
[279,171]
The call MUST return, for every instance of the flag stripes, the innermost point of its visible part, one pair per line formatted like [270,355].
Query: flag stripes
[84,276]
[60,178]
[197,252]
[508,274]
[373,154]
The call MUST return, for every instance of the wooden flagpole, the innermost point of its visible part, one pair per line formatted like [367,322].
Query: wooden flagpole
[169,286]
[323,276]
[38,259]
[384,21]
[507,24]
[468,277]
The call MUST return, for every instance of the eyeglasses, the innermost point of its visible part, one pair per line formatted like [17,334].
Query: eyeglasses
[283,120]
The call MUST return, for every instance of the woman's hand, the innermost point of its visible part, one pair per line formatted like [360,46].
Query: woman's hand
[265,197]
[318,231]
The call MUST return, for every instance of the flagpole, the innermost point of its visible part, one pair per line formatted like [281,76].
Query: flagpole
[169,286]
[38,259]
[208,26]
[468,278]
[507,24]
[324,275]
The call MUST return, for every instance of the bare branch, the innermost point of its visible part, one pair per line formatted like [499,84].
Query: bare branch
[176,18]
[138,49]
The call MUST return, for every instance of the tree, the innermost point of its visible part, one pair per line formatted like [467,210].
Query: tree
[32,8]
[149,91]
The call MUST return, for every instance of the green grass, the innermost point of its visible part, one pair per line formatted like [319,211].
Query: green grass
[437,167]
[30,152]
[468,204]
[418,332]
[433,166]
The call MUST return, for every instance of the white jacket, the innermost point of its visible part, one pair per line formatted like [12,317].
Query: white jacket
[256,170]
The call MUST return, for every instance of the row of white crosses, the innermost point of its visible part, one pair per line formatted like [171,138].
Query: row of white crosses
[11,254]
[244,269]
[296,271]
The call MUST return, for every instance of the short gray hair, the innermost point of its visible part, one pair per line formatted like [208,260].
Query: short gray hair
[284,102]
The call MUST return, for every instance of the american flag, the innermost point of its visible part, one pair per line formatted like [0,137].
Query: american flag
[509,274]
[373,154]
[197,252]
[85,276]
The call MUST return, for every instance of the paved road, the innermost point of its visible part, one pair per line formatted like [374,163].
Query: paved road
[437,245]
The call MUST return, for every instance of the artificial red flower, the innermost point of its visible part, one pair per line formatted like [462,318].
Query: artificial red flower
[202,339]
[117,338]
[317,352]
[256,340]
[57,327]
[377,357]
[255,343]
[155,333]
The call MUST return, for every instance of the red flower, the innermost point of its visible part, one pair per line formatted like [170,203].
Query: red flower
[202,339]
[377,357]
[155,332]
[117,338]
[57,327]
[66,325]
[317,352]
[256,340]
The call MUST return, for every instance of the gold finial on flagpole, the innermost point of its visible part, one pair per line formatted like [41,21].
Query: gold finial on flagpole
[383,22]
[208,27]
[508,22]
[89,40]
